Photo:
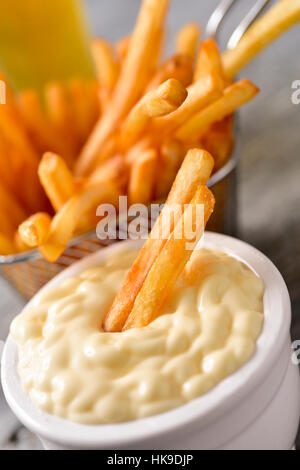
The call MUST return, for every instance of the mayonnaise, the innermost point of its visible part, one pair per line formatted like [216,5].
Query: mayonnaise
[207,330]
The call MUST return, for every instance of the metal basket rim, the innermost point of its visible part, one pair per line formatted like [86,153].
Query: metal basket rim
[35,254]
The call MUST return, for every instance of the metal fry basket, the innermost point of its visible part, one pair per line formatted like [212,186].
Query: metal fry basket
[29,272]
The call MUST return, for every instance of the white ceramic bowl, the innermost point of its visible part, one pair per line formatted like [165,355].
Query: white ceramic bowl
[258,407]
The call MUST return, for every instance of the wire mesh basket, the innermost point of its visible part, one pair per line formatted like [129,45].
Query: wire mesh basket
[28,272]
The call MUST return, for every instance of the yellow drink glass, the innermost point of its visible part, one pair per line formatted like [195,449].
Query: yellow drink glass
[43,40]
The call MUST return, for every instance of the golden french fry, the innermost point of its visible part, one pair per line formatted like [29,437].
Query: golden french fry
[108,151]
[155,56]
[132,79]
[281,17]
[7,246]
[200,95]
[34,115]
[20,245]
[60,113]
[35,229]
[170,262]
[122,47]
[107,65]
[113,171]
[66,221]
[7,225]
[219,141]
[18,156]
[10,205]
[81,108]
[93,103]
[16,136]
[29,187]
[56,179]
[179,67]
[171,156]
[234,97]
[142,178]
[9,96]
[195,170]
[7,170]
[209,60]
[165,99]
[187,40]
[135,151]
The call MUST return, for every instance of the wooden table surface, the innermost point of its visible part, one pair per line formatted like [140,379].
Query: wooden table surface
[269,174]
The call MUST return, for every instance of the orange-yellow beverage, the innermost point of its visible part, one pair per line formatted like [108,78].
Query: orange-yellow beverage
[42,40]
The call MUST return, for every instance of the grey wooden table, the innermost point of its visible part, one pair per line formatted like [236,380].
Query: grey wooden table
[269,183]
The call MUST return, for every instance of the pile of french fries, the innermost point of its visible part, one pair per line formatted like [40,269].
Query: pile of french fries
[80,144]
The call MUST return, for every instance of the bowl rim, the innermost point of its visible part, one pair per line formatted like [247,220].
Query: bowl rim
[203,410]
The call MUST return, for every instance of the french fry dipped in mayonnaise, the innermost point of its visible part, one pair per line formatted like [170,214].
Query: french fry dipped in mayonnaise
[195,170]
[171,261]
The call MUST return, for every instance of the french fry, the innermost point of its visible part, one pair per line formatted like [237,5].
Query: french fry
[132,79]
[19,244]
[93,103]
[29,188]
[122,47]
[113,171]
[34,231]
[219,141]
[187,40]
[7,225]
[142,178]
[18,168]
[16,136]
[34,115]
[81,108]
[234,97]
[7,170]
[60,113]
[66,221]
[171,155]
[155,56]
[165,99]
[11,107]
[107,67]
[209,60]
[134,152]
[179,67]
[108,150]
[56,179]
[170,263]
[10,205]
[200,95]
[7,246]
[281,17]
[195,170]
